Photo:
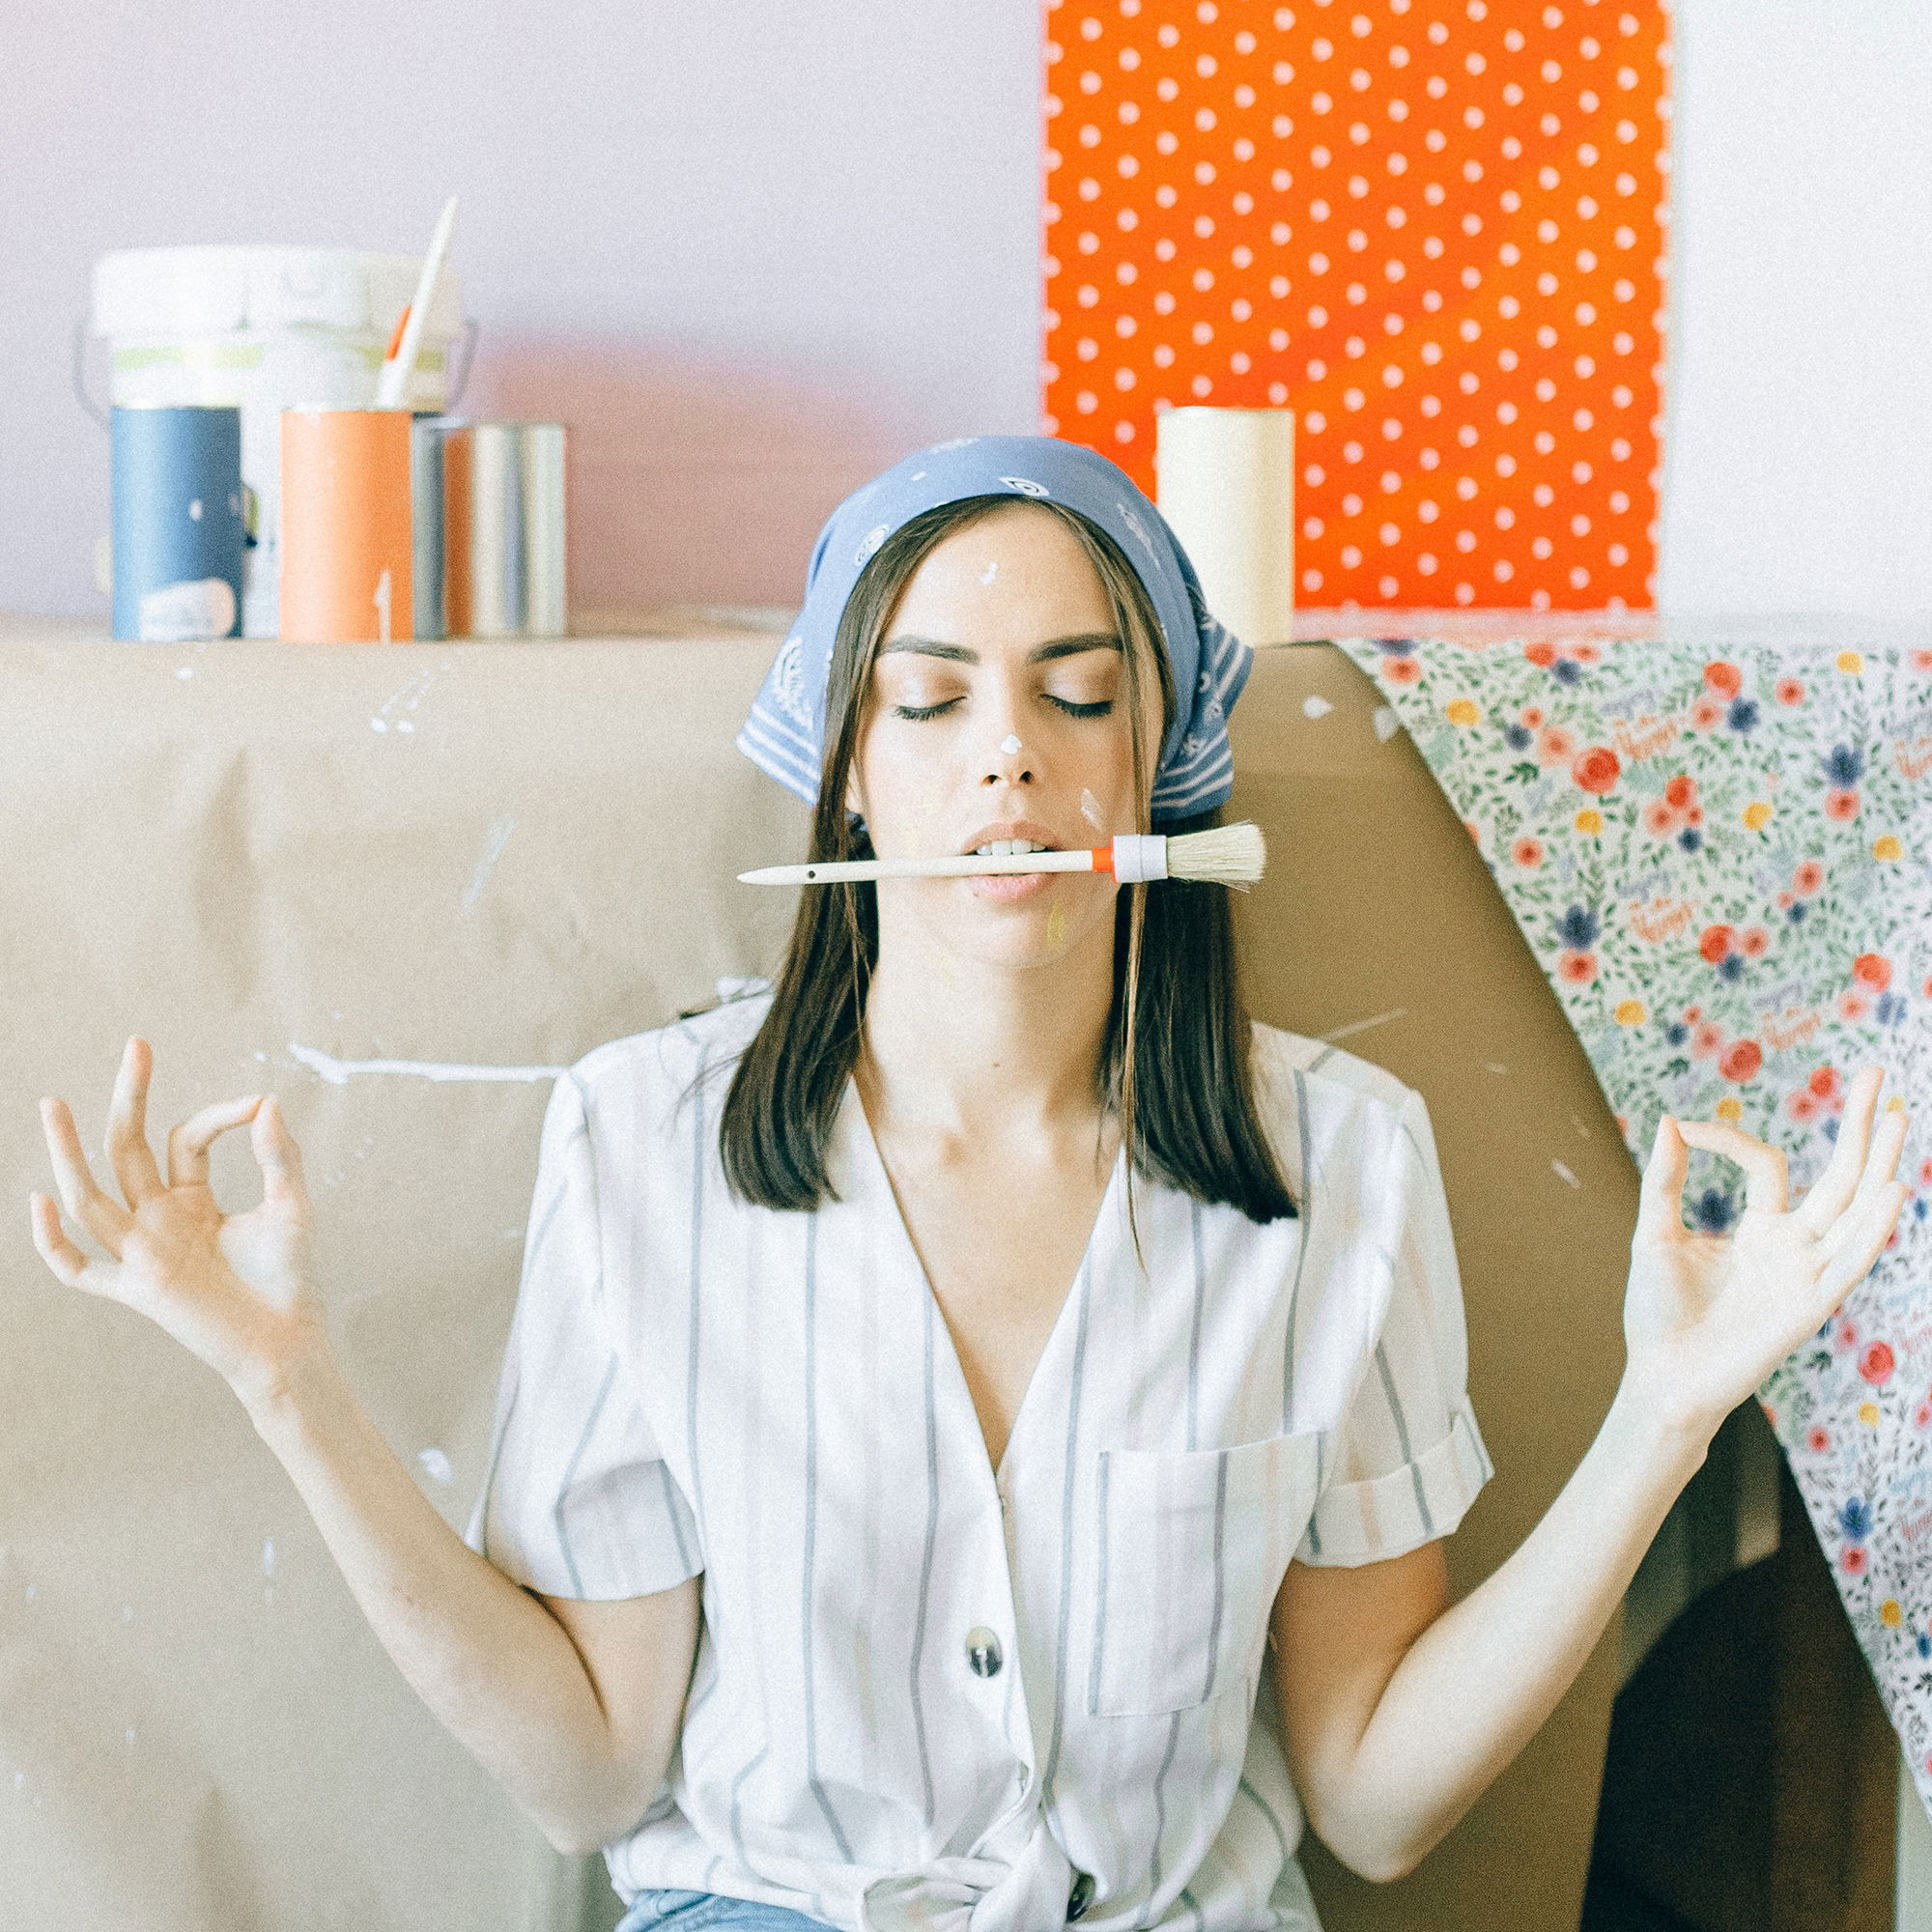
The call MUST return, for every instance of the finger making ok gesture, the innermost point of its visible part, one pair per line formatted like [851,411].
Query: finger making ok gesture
[233,1289]
[1708,1317]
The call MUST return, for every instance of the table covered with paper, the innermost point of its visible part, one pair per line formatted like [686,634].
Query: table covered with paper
[399,886]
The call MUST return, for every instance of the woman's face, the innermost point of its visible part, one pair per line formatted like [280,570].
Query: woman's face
[998,712]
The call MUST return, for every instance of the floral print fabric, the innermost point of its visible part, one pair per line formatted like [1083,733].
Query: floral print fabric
[1722,860]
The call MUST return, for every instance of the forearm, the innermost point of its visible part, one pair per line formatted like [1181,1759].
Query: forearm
[1481,1680]
[488,1659]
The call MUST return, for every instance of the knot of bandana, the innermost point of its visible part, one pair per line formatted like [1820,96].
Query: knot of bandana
[785,735]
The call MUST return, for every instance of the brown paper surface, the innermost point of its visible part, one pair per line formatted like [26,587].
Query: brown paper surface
[500,856]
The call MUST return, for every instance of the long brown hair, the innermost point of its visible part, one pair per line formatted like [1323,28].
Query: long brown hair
[1174,1068]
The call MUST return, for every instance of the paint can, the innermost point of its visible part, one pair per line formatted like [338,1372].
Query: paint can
[546,608]
[1226,486]
[348,540]
[496,530]
[428,436]
[179,528]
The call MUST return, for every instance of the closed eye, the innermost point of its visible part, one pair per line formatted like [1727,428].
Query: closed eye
[1065,705]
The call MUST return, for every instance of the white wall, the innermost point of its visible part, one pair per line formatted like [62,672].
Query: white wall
[750,252]
[1798,473]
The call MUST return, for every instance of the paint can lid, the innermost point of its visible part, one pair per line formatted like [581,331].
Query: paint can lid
[199,291]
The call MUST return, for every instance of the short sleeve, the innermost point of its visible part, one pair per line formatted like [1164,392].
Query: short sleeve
[576,1501]
[1407,1459]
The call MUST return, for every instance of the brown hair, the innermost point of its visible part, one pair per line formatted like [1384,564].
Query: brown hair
[1173,1067]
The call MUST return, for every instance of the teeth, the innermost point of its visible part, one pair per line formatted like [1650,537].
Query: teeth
[1001,848]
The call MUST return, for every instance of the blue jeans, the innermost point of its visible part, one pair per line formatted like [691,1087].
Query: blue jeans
[711,1911]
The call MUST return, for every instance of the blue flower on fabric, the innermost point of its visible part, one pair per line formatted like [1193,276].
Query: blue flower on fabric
[1690,839]
[1829,1127]
[1713,1210]
[1578,928]
[1395,647]
[1743,714]
[1518,736]
[1567,670]
[1844,767]
[1890,1009]
[1795,914]
[1855,1519]
[1731,966]
[1923,1644]
[1677,1033]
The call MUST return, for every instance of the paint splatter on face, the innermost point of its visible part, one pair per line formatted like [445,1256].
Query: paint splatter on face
[1090,811]
[991,571]
[1055,927]
[1011,744]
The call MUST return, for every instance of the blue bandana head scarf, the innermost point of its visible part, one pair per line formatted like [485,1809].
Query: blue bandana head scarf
[785,735]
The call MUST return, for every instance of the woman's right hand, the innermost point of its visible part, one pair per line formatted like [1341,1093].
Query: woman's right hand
[233,1289]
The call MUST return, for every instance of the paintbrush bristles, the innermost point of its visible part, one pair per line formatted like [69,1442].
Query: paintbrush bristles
[1229,855]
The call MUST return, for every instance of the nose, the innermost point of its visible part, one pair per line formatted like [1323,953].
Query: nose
[1008,762]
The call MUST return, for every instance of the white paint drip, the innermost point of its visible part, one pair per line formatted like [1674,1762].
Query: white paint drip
[1563,1174]
[1011,744]
[269,1558]
[1315,705]
[493,849]
[1362,1025]
[1386,722]
[1090,811]
[1496,1067]
[337,1072]
[186,670]
[437,1463]
[991,571]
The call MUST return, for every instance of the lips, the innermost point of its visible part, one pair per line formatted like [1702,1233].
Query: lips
[1011,834]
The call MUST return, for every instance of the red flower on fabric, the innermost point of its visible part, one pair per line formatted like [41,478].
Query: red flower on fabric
[1817,1441]
[1921,659]
[1579,968]
[1823,1081]
[1555,744]
[1741,1061]
[1400,670]
[1715,943]
[1853,1006]
[1788,691]
[1876,1364]
[1680,790]
[1659,821]
[1726,680]
[1587,653]
[1596,771]
[1842,805]
[1853,1561]
[1808,877]
[1705,713]
[1527,851]
[1706,1040]
[1802,1105]
[1756,942]
[1532,716]
[1540,654]
[1872,969]
[1921,1417]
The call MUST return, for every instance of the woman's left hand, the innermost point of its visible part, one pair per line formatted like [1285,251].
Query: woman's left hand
[1708,1317]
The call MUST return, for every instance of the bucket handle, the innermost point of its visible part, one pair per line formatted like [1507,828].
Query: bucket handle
[80,389]
[453,394]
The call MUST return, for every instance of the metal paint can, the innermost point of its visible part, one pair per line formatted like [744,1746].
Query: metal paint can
[503,528]
[179,524]
[496,530]
[347,574]
[545,610]
[428,435]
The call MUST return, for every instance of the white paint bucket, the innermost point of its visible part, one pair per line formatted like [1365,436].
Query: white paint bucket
[265,330]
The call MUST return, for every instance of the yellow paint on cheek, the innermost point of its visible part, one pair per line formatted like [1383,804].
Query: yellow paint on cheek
[1055,927]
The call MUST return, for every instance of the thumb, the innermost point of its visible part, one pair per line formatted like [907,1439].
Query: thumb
[278,1156]
[1661,1201]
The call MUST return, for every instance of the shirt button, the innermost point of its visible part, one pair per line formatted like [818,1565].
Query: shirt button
[983,1651]
[1080,1897]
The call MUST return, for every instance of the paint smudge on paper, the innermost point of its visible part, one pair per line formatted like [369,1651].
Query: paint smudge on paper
[1314,705]
[1386,722]
[269,1558]
[1496,1067]
[497,837]
[337,1072]
[1563,1174]
[437,1465]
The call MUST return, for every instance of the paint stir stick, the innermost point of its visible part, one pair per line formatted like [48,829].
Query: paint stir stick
[393,382]
[1228,855]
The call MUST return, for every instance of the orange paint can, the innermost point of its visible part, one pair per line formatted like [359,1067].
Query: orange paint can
[346,534]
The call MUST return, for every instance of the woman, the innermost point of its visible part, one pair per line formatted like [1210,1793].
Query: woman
[932,1385]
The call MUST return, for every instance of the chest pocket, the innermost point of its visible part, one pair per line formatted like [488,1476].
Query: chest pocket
[1191,1548]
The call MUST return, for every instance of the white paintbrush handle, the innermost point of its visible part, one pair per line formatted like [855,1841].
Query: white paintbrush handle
[967,865]
[393,382]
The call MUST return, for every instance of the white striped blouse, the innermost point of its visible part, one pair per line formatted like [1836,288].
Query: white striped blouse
[929,1694]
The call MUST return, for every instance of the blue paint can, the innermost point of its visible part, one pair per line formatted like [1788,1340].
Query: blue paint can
[179,524]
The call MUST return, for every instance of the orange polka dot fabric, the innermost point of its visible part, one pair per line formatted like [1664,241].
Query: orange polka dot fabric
[1432,228]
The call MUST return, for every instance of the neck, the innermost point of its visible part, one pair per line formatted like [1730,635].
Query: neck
[958,1046]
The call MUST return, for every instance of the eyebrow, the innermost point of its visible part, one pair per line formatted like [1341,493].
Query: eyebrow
[1058,647]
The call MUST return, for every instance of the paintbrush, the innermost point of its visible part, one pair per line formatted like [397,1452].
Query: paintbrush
[1229,855]
[399,365]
